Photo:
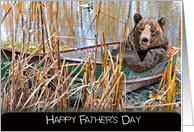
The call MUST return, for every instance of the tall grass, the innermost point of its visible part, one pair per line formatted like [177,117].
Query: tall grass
[34,90]
[49,85]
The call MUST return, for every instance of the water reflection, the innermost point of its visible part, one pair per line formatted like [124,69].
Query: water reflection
[75,21]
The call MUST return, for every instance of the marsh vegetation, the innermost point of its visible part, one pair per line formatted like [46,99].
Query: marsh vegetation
[45,28]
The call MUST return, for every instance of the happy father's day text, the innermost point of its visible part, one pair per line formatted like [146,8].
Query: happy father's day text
[84,119]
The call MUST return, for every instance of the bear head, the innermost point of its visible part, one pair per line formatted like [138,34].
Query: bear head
[148,33]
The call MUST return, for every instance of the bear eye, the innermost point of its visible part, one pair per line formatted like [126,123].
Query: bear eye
[153,31]
[140,29]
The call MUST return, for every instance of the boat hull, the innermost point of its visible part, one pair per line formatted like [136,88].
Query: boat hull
[134,80]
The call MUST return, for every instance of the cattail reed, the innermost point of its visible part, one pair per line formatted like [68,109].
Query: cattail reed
[42,25]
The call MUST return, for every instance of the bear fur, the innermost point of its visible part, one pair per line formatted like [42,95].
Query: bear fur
[150,41]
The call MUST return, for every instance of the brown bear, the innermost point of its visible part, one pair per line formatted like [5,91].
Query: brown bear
[150,41]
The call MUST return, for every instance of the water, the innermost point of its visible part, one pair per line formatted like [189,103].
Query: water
[74,21]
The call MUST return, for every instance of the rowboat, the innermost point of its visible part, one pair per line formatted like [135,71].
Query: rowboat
[134,80]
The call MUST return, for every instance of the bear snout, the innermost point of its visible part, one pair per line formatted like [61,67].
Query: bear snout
[145,40]
[144,43]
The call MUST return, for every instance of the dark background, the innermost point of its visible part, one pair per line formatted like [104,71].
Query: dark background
[36,121]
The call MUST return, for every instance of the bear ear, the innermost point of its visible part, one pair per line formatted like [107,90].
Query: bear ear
[162,22]
[137,17]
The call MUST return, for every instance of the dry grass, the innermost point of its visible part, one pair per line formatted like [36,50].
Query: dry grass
[30,88]
[50,86]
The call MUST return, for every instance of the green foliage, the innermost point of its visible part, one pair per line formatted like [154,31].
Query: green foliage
[5,43]
[31,47]
[9,43]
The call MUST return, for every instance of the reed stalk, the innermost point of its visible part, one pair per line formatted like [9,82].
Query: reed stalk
[13,60]
[40,28]
[8,12]
[168,78]
[43,44]
[57,39]
[107,90]
[86,80]
[23,47]
[5,54]
[120,92]
[89,28]
[173,84]
[112,17]
[73,37]
[97,28]
[110,91]
[163,77]
[48,32]
[102,56]
[105,69]
[148,106]
[153,99]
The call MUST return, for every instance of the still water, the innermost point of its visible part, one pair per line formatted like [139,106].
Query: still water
[74,21]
